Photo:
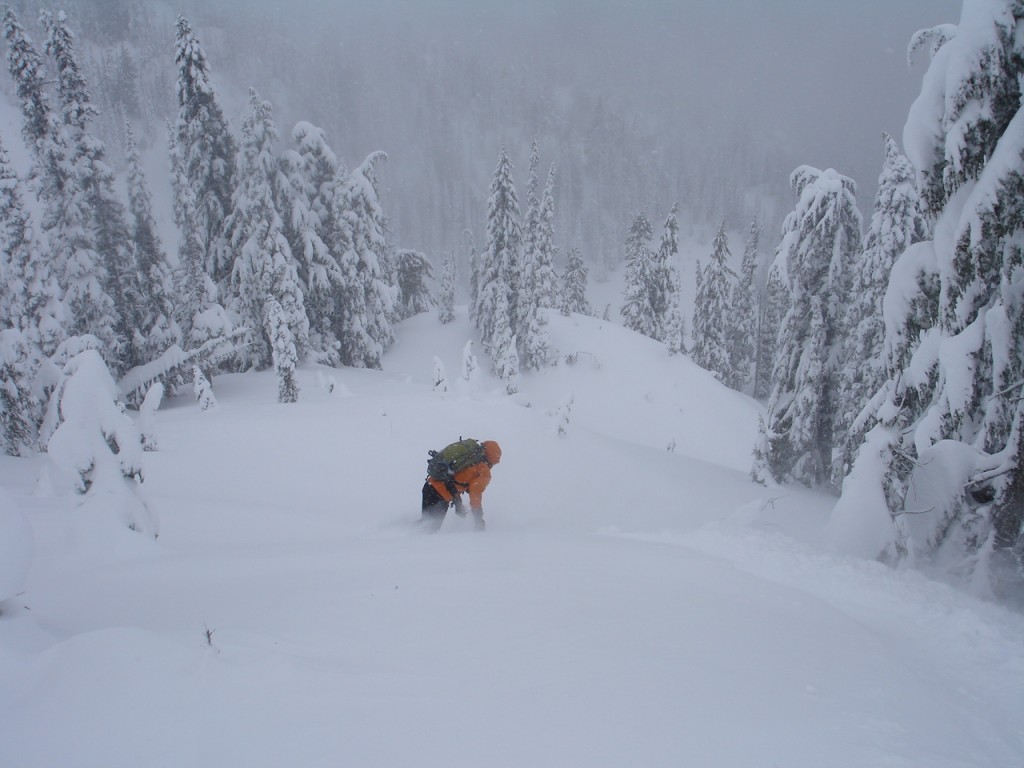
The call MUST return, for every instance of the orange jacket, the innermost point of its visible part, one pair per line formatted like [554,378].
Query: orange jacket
[472,479]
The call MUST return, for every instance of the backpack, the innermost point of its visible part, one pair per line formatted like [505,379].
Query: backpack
[443,465]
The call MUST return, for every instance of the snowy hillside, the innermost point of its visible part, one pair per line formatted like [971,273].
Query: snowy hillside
[629,605]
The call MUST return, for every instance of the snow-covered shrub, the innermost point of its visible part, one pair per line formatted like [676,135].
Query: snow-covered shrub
[327,383]
[147,416]
[440,380]
[469,378]
[97,445]
[563,415]
[203,390]
[470,366]
[583,356]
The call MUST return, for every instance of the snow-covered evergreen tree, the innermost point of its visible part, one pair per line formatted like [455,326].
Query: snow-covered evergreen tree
[537,277]
[282,345]
[574,285]
[202,159]
[536,344]
[473,259]
[544,280]
[665,286]
[43,293]
[676,342]
[414,277]
[772,309]
[896,223]
[711,312]
[821,239]
[367,301]
[742,321]
[29,72]
[122,75]
[952,400]
[446,292]
[34,300]
[158,329]
[21,408]
[89,221]
[354,344]
[107,224]
[499,272]
[638,311]
[263,266]
[24,276]
[308,198]
[194,290]
[504,358]
[83,220]
[525,288]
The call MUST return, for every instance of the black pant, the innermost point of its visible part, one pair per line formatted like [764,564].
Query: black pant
[434,508]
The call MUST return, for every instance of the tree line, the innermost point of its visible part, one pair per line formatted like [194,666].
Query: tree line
[282,257]
[893,363]
[513,280]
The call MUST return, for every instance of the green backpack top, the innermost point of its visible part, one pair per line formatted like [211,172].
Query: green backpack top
[443,465]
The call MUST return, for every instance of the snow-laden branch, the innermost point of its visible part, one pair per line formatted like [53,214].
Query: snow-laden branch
[175,363]
[933,38]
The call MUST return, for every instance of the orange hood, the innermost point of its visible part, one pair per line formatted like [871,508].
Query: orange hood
[492,451]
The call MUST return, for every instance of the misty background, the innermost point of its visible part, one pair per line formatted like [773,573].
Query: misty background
[707,103]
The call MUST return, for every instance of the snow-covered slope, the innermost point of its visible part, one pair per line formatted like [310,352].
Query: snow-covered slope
[629,605]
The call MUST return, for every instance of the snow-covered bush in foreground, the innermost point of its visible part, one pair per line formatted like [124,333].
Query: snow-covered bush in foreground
[97,445]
